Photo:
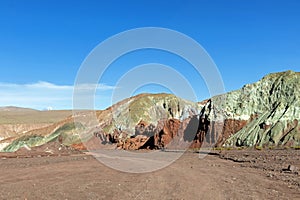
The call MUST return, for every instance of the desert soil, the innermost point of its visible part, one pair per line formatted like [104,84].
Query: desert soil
[243,174]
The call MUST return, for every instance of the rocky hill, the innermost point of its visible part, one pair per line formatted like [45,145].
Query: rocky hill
[265,113]
[116,126]
[269,111]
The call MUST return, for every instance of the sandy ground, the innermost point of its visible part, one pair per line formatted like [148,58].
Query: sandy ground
[229,175]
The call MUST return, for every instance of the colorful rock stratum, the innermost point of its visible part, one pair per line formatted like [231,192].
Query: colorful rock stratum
[262,114]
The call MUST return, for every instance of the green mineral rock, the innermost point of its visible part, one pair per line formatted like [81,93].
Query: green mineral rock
[272,108]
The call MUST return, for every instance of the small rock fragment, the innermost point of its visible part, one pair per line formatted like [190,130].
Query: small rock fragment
[292,168]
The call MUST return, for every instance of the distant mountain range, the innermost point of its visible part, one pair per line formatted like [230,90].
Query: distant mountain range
[15,109]
[265,113]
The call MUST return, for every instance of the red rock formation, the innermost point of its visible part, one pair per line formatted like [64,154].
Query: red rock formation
[169,131]
[80,146]
[230,127]
[172,133]
[133,143]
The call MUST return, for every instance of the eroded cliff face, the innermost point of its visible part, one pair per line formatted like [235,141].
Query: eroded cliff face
[261,114]
[148,121]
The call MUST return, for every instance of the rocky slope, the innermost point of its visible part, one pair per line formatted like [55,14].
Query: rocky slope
[116,126]
[16,122]
[144,121]
[265,113]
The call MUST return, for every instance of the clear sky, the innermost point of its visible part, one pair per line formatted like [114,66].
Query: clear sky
[43,43]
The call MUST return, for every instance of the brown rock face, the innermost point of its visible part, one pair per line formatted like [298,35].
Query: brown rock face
[168,132]
[79,146]
[134,143]
[231,126]
[174,134]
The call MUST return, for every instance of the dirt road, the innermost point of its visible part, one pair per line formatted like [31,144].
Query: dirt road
[83,177]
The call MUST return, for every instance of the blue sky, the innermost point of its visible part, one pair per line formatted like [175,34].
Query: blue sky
[43,43]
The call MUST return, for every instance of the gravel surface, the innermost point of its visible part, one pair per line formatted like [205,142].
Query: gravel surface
[237,175]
